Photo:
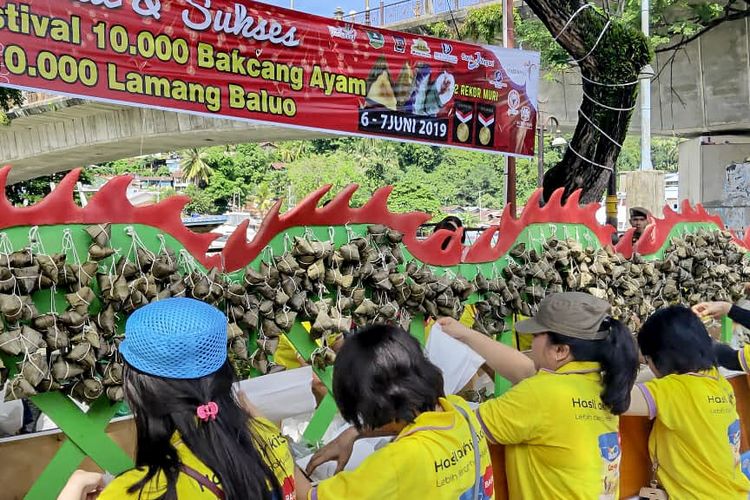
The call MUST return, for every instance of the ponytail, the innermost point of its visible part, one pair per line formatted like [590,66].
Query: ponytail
[619,360]
[618,357]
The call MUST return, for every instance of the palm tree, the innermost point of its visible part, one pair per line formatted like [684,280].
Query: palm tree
[194,167]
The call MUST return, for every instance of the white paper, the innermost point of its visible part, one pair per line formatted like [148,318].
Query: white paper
[454,358]
[281,395]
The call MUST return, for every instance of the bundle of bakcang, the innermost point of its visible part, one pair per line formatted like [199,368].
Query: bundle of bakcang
[701,266]
[330,289]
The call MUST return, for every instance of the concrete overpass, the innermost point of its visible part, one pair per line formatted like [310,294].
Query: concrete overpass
[705,90]
[58,133]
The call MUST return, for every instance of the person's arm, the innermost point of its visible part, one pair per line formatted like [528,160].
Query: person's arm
[727,357]
[739,315]
[506,361]
[340,449]
[82,485]
[302,484]
[639,405]
[717,310]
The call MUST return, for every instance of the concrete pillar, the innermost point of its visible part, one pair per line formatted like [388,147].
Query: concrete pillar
[644,188]
[715,171]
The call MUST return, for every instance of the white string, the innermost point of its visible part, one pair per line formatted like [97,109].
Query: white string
[583,115]
[575,14]
[628,84]
[596,44]
[604,167]
[631,108]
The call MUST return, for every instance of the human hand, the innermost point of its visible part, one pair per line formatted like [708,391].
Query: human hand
[82,485]
[454,328]
[338,450]
[319,389]
[715,310]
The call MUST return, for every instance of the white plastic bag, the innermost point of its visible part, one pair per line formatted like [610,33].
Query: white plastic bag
[11,414]
[455,359]
[281,395]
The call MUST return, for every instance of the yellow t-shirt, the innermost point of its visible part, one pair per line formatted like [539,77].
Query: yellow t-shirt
[696,436]
[432,458]
[274,449]
[286,355]
[561,442]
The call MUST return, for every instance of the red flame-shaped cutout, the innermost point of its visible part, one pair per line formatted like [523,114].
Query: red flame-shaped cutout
[110,204]
[238,252]
[554,212]
[657,232]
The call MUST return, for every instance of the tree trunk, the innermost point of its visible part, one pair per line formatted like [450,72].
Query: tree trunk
[614,59]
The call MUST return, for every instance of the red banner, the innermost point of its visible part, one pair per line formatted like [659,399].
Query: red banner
[252,61]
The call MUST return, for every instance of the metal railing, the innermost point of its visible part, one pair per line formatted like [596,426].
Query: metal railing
[407,10]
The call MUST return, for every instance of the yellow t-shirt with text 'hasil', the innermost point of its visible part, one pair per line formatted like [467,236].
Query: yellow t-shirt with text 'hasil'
[696,436]
[560,440]
[433,458]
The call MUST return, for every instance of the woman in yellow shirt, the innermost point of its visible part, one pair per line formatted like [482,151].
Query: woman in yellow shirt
[193,436]
[384,385]
[559,423]
[695,440]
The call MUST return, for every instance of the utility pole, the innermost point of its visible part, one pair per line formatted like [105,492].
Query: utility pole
[510,162]
[645,77]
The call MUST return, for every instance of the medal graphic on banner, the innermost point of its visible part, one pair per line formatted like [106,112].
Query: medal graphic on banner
[462,131]
[485,134]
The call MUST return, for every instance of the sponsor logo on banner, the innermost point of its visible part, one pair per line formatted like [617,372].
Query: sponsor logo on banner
[420,48]
[399,44]
[343,32]
[514,102]
[496,80]
[446,55]
[525,114]
[475,60]
[377,40]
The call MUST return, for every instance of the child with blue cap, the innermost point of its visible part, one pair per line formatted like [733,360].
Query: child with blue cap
[194,439]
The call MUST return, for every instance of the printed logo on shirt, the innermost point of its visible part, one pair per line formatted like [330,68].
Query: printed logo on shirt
[745,461]
[611,452]
[734,433]
[287,489]
[487,489]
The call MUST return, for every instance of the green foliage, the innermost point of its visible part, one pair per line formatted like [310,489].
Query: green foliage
[415,191]
[195,167]
[9,98]
[664,154]
[33,190]
[484,24]
[201,202]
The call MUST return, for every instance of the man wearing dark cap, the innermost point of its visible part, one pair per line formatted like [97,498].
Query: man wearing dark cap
[638,220]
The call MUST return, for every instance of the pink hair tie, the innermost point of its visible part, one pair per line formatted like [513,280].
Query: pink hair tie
[208,411]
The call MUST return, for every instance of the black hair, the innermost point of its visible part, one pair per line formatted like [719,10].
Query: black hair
[617,356]
[452,224]
[676,341]
[228,445]
[382,376]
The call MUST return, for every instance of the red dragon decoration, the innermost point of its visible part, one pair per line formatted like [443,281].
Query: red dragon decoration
[111,205]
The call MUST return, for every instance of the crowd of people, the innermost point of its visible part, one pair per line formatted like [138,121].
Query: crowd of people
[199,438]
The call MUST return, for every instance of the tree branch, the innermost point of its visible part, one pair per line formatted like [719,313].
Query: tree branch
[735,16]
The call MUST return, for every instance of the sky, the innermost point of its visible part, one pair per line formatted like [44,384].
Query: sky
[325,7]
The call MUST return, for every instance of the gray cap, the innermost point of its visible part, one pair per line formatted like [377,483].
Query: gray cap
[639,212]
[573,314]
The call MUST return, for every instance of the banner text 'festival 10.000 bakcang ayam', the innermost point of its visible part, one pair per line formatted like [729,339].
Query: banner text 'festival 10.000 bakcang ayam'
[248,60]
